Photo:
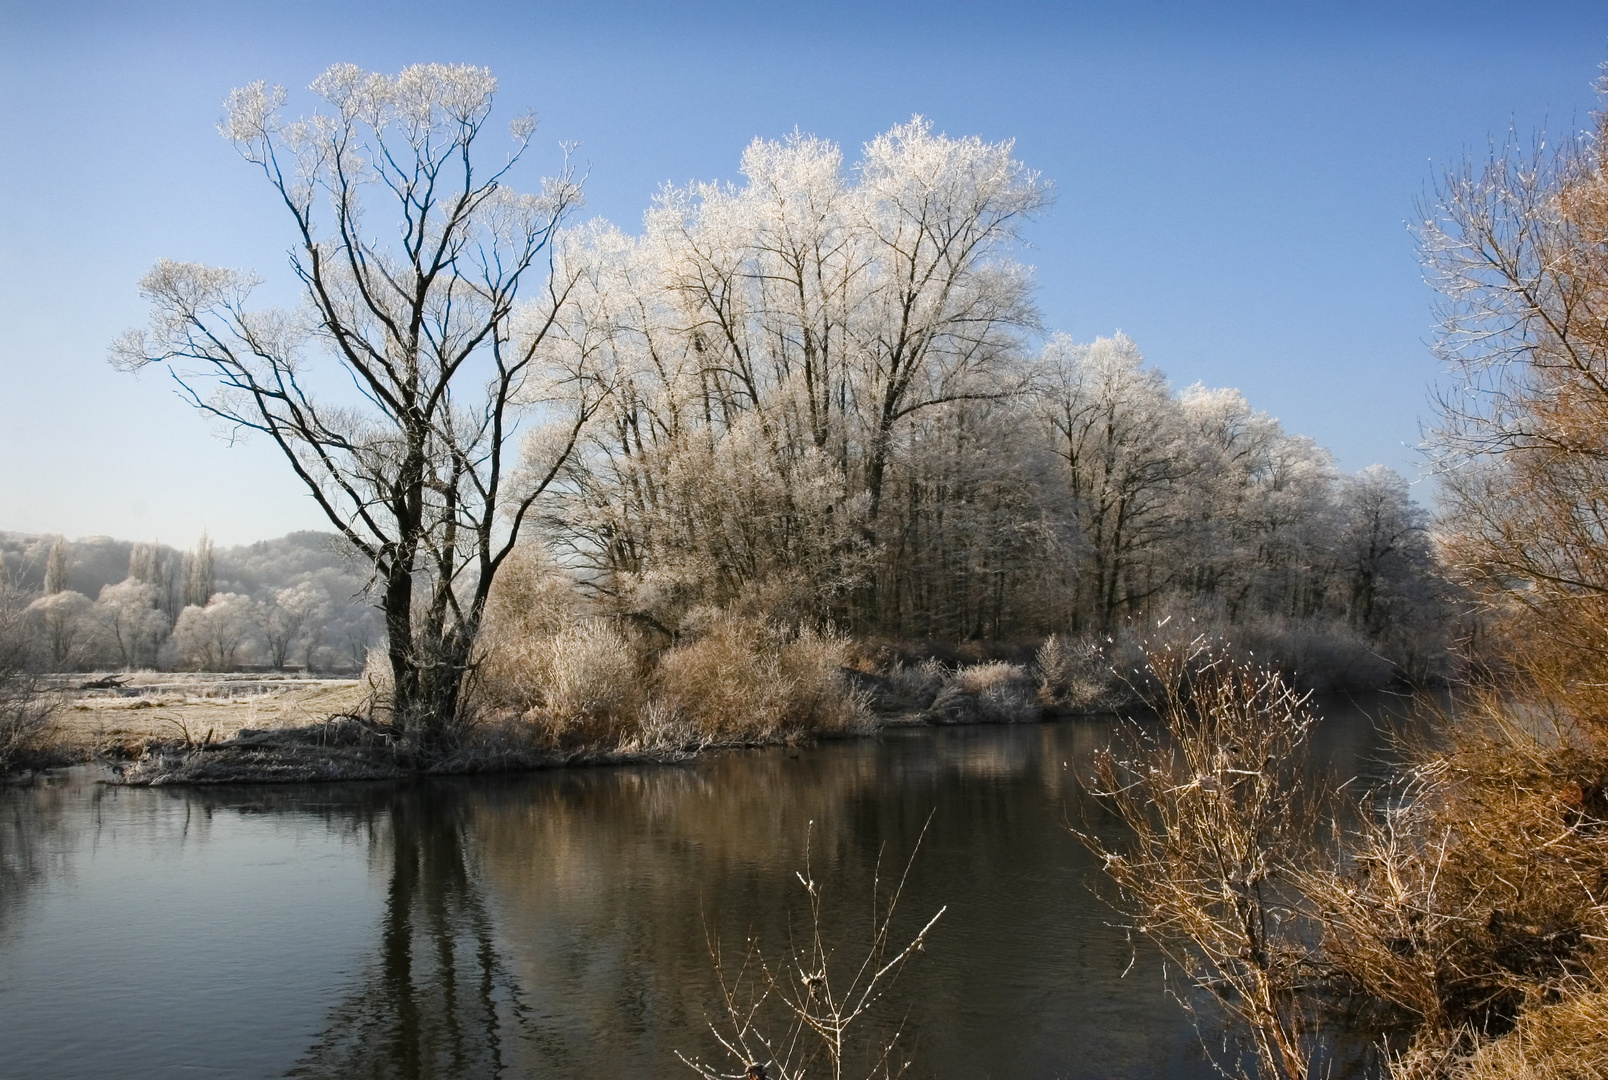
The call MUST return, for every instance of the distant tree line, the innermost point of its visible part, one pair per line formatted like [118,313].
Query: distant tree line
[289,603]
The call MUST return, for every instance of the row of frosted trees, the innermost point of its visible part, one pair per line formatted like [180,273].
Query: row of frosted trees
[168,613]
[822,394]
[826,396]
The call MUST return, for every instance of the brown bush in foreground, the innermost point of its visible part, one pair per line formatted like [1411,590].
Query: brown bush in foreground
[1215,820]
[1473,898]
[1470,899]
[1478,883]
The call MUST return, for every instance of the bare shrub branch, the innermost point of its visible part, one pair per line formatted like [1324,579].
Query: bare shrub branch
[783,1019]
[1213,812]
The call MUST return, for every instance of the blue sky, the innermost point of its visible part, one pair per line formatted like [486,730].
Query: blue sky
[1234,183]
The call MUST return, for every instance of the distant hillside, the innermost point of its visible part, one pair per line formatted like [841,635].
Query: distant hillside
[94,562]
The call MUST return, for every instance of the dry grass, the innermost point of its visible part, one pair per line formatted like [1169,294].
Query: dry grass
[159,707]
[739,680]
[1565,1039]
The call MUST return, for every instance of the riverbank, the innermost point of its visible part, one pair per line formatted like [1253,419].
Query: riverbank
[160,729]
[164,728]
[589,693]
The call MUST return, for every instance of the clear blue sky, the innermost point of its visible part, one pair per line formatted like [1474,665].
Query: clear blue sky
[1234,183]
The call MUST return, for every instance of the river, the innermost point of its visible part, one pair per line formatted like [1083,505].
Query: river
[558,924]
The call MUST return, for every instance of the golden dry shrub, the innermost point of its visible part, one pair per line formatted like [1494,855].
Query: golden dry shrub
[1475,894]
[1216,818]
[583,685]
[744,680]
[530,604]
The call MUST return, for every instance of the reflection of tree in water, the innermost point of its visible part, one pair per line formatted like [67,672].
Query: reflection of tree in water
[437,1001]
[32,817]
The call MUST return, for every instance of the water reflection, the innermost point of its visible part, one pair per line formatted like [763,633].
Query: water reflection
[30,821]
[437,998]
[555,924]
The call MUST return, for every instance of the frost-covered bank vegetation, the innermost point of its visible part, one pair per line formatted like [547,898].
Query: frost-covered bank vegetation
[748,455]
[829,410]
[830,405]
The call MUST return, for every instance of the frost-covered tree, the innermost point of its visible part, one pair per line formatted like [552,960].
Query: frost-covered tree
[442,327]
[777,343]
[946,301]
[1383,548]
[24,711]
[199,574]
[289,622]
[62,624]
[1120,435]
[978,532]
[142,564]
[826,403]
[1257,512]
[56,567]
[152,564]
[211,638]
[130,625]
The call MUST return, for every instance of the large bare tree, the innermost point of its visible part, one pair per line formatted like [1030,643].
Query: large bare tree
[416,267]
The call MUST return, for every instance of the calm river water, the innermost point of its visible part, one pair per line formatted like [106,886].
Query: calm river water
[556,925]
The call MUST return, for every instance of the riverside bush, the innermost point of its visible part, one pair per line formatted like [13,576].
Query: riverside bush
[584,684]
[1074,674]
[747,680]
[919,683]
[732,679]
[991,693]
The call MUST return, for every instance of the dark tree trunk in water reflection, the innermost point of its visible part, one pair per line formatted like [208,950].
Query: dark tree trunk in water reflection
[438,1000]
